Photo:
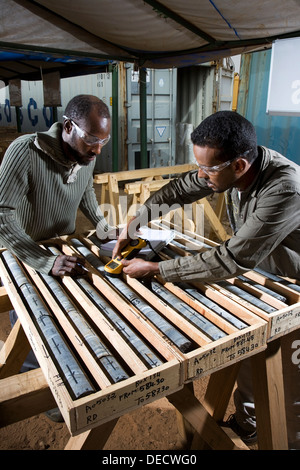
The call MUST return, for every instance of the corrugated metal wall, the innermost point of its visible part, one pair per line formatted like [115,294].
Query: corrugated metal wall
[281,133]
[201,90]
[195,94]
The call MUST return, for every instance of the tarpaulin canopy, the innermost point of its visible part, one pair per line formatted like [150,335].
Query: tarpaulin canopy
[89,34]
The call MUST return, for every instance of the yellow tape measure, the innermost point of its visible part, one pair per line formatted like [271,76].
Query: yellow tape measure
[114,266]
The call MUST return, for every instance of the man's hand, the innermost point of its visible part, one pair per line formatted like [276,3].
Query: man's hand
[122,241]
[124,238]
[138,267]
[68,266]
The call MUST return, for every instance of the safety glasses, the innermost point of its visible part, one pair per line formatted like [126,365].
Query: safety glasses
[88,139]
[212,170]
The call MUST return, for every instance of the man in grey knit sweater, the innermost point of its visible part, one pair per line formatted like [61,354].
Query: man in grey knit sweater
[44,179]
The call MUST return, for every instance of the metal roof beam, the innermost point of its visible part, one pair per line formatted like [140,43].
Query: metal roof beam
[178,19]
[58,53]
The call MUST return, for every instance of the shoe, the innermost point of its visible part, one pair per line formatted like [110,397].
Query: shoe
[55,415]
[247,438]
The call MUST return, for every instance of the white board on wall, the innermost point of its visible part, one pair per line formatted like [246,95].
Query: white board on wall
[284,79]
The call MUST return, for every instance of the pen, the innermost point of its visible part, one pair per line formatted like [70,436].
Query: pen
[83,267]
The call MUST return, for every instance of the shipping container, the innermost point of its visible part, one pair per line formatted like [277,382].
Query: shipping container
[201,91]
[161,108]
[280,133]
[177,100]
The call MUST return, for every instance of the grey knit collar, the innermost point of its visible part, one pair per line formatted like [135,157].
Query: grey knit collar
[49,142]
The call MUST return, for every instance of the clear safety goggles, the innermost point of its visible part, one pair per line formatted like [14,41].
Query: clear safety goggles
[212,170]
[88,139]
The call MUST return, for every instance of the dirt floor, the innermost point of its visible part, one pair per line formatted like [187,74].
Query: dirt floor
[152,427]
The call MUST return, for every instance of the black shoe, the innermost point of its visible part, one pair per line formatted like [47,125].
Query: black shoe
[247,438]
[55,415]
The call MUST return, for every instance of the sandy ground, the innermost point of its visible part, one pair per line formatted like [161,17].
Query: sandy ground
[152,427]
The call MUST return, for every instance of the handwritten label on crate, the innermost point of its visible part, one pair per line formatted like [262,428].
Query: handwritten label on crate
[286,320]
[231,350]
[120,398]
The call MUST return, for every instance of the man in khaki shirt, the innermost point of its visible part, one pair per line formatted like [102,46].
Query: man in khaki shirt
[262,193]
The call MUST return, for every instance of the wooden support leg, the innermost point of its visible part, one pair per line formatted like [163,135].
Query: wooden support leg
[24,395]
[113,191]
[269,398]
[185,430]
[145,193]
[104,189]
[14,351]
[93,439]
[195,413]
[198,218]
[215,402]
[219,211]
[5,303]
[213,220]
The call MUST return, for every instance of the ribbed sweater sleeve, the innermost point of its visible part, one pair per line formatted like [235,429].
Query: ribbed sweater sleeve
[14,185]
[91,209]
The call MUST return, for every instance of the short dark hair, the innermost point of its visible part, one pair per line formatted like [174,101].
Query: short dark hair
[80,107]
[227,131]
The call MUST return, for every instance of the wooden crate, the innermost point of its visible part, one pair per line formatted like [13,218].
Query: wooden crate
[106,400]
[207,352]
[285,316]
